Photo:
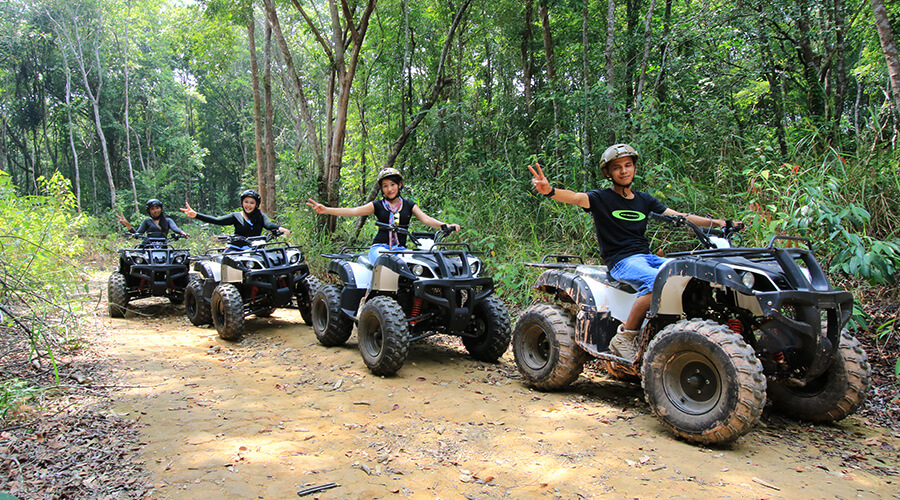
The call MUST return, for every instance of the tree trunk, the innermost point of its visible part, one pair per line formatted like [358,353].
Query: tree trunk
[257,102]
[72,130]
[890,49]
[127,122]
[586,119]
[527,72]
[646,57]
[610,65]
[550,54]
[267,190]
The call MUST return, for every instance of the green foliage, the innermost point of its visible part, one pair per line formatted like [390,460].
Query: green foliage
[13,393]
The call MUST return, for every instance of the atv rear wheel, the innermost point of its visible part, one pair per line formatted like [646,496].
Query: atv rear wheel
[492,330]
[305,290]
[117,296]
[331,325]
[197,309]
[838,392]
[228,311]
[703,381]
[544,347]
[383,335]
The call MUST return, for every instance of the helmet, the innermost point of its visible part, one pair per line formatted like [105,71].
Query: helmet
[152,202]
[389,172]
[251,193]
[617,151]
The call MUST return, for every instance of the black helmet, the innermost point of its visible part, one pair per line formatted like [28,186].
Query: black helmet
[152,202]
[251,193]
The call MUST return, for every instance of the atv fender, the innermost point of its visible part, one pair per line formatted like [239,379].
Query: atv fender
[594,326]
[351,274]
[208,270]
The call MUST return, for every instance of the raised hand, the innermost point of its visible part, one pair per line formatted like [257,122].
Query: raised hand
[539,182]
[190,212]
[317,207]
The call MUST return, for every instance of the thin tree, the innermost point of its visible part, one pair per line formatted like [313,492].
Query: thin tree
[890,49]
[73,40]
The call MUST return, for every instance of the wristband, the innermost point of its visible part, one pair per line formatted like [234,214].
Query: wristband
[551,193]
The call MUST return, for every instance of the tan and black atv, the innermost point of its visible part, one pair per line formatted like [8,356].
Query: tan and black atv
[727,329]
[408,295]
[251,276]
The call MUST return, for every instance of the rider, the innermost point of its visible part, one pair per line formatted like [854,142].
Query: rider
[249,221]
[620,220]
[391,209]
[157,225]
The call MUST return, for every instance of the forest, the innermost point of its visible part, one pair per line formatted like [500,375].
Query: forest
[784,115]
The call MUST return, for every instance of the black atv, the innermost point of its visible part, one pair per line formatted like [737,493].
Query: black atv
[408,295]
[151,269]
[257,278]
[727,328]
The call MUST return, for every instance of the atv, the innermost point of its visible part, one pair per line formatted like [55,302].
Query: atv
[151,269]
[408,295]
[256,278]
[727,329]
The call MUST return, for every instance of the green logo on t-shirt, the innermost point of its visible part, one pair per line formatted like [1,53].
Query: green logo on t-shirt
[629,215]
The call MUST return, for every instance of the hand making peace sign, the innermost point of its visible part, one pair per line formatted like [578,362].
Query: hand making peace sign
[539,182]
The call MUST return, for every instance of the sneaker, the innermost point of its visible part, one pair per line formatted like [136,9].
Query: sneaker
[622,344]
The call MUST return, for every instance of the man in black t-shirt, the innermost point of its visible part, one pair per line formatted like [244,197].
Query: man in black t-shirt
[620,219]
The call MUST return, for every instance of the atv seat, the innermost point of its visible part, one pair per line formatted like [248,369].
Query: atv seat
[363,259]
[601,274]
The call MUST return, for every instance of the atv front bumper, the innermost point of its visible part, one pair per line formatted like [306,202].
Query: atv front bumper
[457,298]
[158,280]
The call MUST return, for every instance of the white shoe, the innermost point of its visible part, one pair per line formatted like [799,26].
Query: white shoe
[622,344]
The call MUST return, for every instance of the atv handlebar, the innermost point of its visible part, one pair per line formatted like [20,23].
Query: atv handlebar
[249,241]
[730,230]
[159,241]
[443,232]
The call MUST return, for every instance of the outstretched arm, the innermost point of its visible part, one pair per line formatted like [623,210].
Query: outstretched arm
[542,185]
[367,209]
[697,220]
[431,221]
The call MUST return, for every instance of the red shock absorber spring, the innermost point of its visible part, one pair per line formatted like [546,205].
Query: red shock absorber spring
[778,356]
[416,308]
[735,325]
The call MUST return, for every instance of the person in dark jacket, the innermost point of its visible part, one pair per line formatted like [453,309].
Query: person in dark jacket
[249,221]
[156,225]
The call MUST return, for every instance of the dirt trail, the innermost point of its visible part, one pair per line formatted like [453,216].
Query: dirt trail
[277,413]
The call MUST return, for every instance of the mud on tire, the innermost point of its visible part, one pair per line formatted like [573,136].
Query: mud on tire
[491,325]
[117,296]
[383,335]
[305,290]
[835,394]
[544,347]
[195,307]
[703,381]
[228,311]
[331,325]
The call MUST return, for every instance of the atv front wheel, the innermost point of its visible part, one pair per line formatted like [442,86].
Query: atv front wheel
[703,381]
[544,347]
[117,296]
[228,311]
[195,306]
[331,325]
[491,330]
[383,335]
[305,290]
[838,392]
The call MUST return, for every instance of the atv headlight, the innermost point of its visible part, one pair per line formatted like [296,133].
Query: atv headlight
[179,259]
[474,267]
[293,257]
[139,258]
[418,269]
[250,263]
[748,279]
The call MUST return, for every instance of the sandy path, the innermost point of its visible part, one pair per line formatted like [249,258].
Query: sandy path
[277,412]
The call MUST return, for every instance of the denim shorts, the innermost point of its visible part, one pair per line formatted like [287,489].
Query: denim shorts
[376,249]
[639,271]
